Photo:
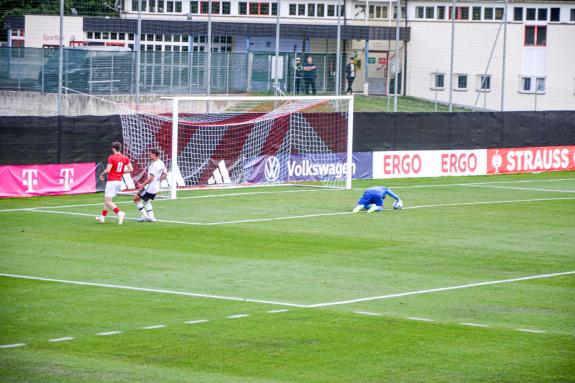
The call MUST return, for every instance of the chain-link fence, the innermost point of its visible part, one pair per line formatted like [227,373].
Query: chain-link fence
[114,73]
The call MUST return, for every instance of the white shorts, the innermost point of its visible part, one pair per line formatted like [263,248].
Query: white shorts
[112,188]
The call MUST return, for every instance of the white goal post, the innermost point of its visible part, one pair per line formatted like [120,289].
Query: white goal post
[235,141]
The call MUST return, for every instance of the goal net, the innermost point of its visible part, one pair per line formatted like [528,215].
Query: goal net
[232,141]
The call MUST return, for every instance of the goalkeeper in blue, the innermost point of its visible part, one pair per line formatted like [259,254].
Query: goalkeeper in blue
[372,199]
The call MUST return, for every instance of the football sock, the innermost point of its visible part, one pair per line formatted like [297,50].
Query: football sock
[116,210]
[104,213]
[149,210]
[140,206]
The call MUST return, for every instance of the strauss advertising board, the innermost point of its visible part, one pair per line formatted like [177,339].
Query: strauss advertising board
[526,160]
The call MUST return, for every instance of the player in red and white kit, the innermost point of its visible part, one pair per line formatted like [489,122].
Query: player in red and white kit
[118,164]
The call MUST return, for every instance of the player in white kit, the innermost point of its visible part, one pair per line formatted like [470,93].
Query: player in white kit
[143,200]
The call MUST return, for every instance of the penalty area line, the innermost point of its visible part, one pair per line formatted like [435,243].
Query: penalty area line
[254,220]
[150,290]
[439,289]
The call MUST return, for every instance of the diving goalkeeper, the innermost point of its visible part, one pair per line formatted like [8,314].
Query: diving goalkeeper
[372,199]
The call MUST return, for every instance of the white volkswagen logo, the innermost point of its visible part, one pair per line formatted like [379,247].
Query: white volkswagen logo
[272,169]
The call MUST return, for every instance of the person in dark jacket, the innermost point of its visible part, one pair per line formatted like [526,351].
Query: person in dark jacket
[309,75]
[298,74]
[350,74]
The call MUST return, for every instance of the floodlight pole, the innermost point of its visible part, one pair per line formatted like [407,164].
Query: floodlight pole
[395,82]
[276,75]
[61,58]
[137,45]
[338,51]
[452,53]
[504,57]
[209,69]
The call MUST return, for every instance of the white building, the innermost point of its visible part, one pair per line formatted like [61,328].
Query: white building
[539,53]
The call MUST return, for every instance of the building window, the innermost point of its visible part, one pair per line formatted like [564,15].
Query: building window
[179,6]
[114,36]
[418,12]
[158,37]
[531,12]
[441,12]
[243,8]
[301,9]
[274,9]
[311,10]
[122,36]
[160,10]
[90,35]
[204,7]
[555,14]
[320,10]
[535,35]
[168,38]
[226,8]
[194,7]
[461,13]
[518,14]
[484,83]
[292,9]
[461,82]
[572,14]
[429,12]
[105,35]
[437,81]
[526,84]
[488,14]
[533,84]
[215,7]
[170,7]
[499,13]
[542,14]
[476,14]
[330,10]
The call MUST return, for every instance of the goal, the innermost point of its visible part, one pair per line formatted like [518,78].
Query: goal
[239,141]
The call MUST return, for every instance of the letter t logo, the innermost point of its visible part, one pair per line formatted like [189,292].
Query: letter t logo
[30,178]
[67,178]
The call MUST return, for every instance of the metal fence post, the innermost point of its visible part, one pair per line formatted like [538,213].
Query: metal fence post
[112,76]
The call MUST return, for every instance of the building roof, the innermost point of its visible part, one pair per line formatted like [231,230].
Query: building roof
[180,27]
[200,28]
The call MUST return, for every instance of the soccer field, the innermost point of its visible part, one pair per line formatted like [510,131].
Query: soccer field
[473,281]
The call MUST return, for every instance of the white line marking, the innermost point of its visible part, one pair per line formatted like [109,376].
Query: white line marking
[154,327]
[428,291]
[197,321]
[319,214]
[290,191]
[420,319]
[13,345]
[516,188]
[64,339]
[277,311]
[473,324]
[238,316]
[107,333]
[367,313]
[221,297]
[529,330]
[489,202]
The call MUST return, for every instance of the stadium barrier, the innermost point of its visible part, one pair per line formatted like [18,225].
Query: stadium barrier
[386,146]
[39,180]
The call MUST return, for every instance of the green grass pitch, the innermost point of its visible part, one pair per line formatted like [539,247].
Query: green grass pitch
[283,284]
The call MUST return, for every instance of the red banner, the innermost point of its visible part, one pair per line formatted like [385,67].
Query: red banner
[527,160]
[38,180]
